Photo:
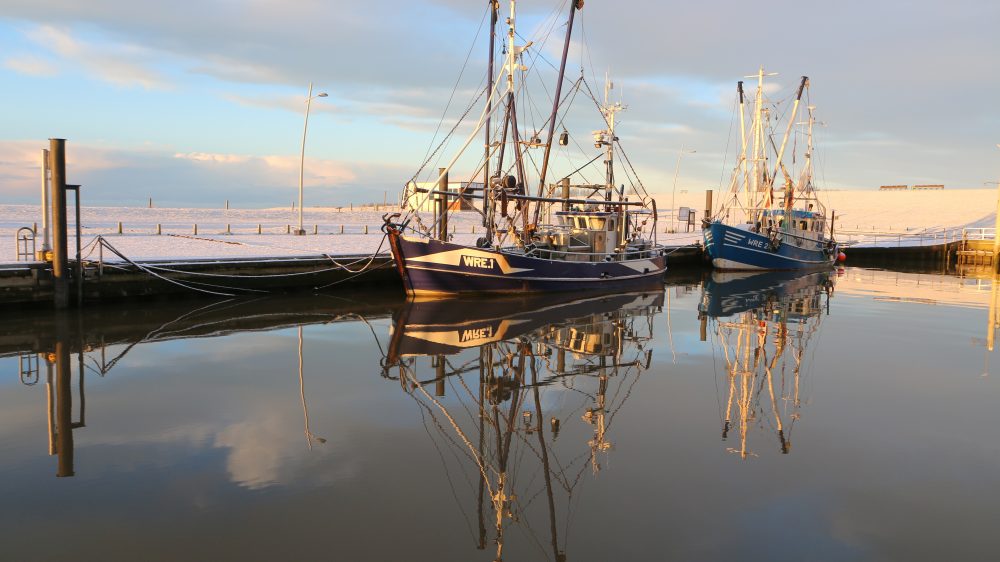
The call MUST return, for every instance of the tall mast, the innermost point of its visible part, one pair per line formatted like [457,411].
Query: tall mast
[809,149]
[574,6]
[743,141]
[609,110]
[512,66]
[757,145]
[487,201]
[788,130]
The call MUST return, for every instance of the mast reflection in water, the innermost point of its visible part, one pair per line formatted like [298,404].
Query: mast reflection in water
[521,396]
[762,325]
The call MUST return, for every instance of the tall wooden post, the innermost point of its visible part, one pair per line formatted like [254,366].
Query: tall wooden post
[442,205]
[708,205]
[64,409]
[996,231]
[60,261]
[439,378]
[565,194]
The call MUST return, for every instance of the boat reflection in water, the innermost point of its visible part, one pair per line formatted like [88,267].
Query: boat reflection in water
[524,394]
[762,325]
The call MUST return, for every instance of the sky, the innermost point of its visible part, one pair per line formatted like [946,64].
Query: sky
[195,103]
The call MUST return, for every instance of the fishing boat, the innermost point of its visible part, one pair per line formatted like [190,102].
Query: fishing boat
[520,399]
[761,226]
[575,233]
[763,324]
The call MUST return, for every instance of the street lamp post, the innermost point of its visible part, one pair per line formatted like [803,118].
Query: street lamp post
[996,232]
[673,192]
[302,159]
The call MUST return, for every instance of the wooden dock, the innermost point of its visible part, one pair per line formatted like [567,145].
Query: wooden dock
[30,283]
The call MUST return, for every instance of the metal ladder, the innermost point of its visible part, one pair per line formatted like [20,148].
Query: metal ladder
[24,236]
[27,365]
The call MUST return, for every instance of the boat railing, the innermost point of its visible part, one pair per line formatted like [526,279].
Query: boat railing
[922,237]
[595,256]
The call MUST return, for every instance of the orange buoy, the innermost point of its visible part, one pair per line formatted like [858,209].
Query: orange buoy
[841,256]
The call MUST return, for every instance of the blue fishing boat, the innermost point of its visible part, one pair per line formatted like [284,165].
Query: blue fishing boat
[761,226]
[571,234]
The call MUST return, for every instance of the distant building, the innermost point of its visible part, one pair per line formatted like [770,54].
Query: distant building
[893,188]
[424,202]
[934,186]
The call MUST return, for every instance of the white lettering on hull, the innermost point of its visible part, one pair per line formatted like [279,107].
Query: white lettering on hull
[478,262]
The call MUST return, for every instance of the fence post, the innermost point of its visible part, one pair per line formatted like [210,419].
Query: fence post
[119,227]
[196,229]
[258,228]
[159,229]
[366,229]
[341,229]
[315,229]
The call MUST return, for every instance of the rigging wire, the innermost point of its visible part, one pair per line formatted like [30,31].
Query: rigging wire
[458,80]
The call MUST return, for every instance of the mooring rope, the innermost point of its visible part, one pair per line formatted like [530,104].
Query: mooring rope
[153,270]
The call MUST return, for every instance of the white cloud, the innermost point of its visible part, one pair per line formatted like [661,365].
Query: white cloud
[118,63]
[31,65]
[276,168]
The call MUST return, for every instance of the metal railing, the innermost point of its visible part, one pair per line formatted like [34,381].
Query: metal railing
[928,237]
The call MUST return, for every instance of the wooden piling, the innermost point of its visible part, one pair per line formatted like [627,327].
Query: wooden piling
[119,227]
[315,229]
[60,259]
[64,412]
[258,229]
[196,230]
[159,229]
[441,205]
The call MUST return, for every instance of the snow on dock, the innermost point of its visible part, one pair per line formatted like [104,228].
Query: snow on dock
[869,218]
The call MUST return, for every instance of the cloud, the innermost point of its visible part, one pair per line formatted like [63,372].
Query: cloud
[118,63]
[921,80]
[276,169]
[31,65]
[124,175]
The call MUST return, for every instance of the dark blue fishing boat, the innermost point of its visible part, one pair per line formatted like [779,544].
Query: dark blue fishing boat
[760,227]
[571,235]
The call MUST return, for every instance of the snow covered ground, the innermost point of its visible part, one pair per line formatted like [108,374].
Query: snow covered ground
[233,233]
[869,218]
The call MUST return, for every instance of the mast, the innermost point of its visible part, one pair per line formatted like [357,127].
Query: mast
[607,138]
[512,66]
[487,201]
[574,6]
[743,139]
[788,130]
[758,146]
[809,150]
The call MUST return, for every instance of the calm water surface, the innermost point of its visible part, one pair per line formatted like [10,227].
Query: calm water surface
[849,416]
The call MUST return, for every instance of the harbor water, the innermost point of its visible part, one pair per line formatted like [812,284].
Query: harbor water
[848,415]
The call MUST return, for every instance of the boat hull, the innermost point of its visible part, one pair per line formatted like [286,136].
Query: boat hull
[734,249]
[435,268]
